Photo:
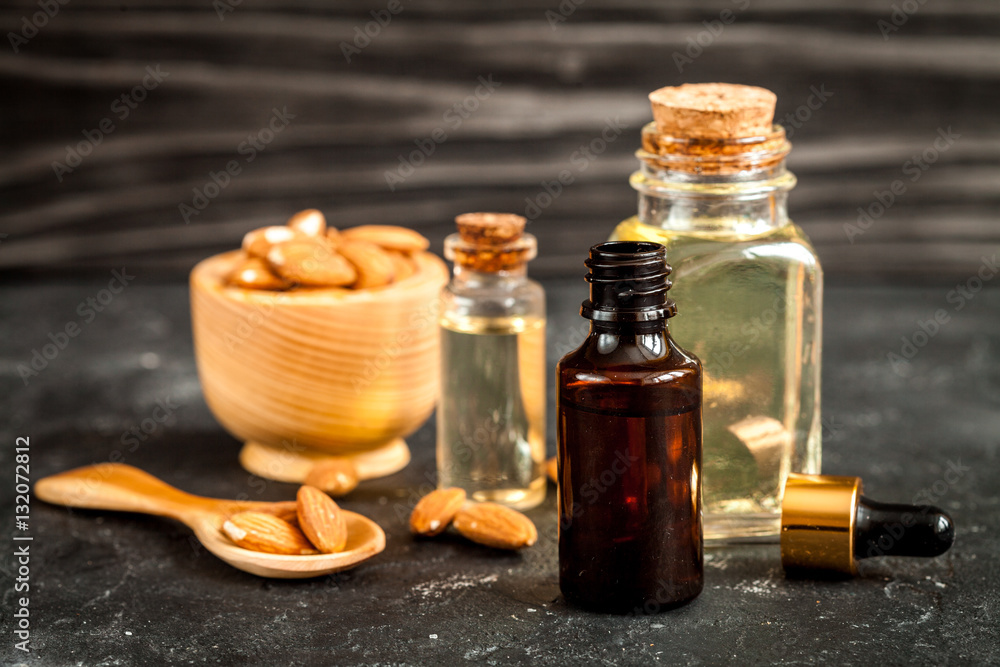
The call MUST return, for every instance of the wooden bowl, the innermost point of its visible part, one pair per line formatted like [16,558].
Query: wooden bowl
[332,369]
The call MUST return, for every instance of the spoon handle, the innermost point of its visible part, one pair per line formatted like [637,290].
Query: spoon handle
[116,486]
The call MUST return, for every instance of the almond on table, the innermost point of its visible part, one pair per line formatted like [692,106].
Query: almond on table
[258,531]
[496,526]
[335,476]
[435,511]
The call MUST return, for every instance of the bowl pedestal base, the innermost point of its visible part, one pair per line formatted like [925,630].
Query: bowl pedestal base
[291,464]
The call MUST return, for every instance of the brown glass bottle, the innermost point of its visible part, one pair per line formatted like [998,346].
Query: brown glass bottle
[629,439]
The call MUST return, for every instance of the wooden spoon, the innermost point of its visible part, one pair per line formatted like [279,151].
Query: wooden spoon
[116,486]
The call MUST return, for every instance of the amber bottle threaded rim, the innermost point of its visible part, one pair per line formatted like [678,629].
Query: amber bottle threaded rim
[628,283]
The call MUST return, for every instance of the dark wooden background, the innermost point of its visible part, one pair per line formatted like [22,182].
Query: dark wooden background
[119,207]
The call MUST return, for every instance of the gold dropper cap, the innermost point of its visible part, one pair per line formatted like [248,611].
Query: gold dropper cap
[818,515]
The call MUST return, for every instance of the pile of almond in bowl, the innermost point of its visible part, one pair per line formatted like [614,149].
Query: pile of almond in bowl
[306,253]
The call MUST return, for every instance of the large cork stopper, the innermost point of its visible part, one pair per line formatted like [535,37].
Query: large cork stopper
[713,110]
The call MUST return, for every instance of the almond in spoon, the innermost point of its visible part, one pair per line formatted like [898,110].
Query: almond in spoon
[266,533]
[321,520]
[285,509]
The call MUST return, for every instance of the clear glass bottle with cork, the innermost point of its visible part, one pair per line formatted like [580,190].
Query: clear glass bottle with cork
[712,188]
[491,416]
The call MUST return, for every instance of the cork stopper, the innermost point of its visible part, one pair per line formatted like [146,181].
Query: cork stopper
[490,242]
[713,110]
[490,228]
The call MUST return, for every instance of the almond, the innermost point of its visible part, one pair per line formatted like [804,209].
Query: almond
[375,267]
[389,237]
[435,511]
[333,237]
[335,476]
[255,273]
[312,263]
[257,531]
[552,469]
[258,242]
[496,526]
[286,510]
[321,520]
[309,222]
[402,265]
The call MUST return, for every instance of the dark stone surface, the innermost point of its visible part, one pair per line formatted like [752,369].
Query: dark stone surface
[110,589]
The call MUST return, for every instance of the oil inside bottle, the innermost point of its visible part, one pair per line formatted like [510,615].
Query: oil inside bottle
[631,539]
[751,303]
[491,422]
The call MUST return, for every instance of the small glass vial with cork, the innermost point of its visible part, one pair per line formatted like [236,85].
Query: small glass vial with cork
[629,431]
[712,188]
[491,416]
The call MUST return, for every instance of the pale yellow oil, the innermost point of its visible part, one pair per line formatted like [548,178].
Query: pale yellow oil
[491,417]
[749,308]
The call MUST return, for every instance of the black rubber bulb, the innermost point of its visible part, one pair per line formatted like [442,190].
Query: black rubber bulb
[886,529]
